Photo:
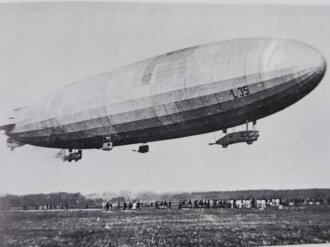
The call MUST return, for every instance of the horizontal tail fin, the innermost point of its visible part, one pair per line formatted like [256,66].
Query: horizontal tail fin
[7,127]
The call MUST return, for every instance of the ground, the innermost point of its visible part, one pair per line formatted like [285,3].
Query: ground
[166,227]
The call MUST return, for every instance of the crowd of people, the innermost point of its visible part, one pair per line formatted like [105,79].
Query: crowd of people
[260,203]
[135,205]
[250,203]
[231,203]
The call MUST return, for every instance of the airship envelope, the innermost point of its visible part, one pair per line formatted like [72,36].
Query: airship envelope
[187,92]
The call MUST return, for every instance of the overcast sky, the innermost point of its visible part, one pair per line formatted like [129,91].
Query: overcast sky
[46,46]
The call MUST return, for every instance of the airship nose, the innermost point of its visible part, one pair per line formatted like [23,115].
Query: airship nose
[294,56]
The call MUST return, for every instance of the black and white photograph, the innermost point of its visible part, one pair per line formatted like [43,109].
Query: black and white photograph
[164,123]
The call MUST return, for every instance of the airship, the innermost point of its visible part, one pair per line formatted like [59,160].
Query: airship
[192,91]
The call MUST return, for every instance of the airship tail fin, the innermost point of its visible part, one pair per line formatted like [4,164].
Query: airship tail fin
[12,143]
[7,127]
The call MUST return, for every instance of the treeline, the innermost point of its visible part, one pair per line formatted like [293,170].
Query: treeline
[225,195]
[303,194]
[64,200]
[59,200]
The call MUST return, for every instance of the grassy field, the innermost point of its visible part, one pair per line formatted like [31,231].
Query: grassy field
[149,227]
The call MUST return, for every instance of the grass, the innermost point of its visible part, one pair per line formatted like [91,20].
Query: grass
[149,227]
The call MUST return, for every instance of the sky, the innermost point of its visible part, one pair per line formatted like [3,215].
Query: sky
[45,46]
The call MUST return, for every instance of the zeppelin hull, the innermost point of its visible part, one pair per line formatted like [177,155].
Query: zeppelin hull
[189,92]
